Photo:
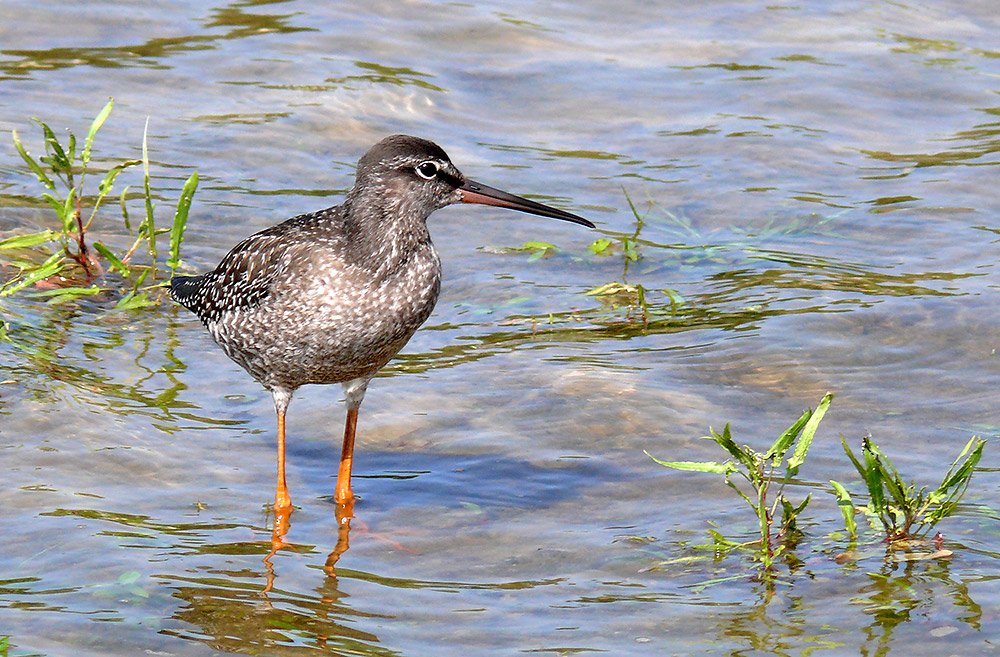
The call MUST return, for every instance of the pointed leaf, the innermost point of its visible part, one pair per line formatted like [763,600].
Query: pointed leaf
[846,508]
[966,469]
[697,466]
[57,204]
[59,161]
[48,268]
[32,164]
[726,442]
[128,224]
[180,220]
[147,225]
[857,464]
[785,440]
[802,446]
[113,259]
[34,239]
[99,120]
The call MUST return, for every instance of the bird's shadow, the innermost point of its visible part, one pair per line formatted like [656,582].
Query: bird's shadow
[391,479]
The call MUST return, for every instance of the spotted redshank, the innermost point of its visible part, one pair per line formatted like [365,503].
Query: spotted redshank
[332,296]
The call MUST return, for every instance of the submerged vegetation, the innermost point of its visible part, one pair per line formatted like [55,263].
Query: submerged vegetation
[904,514]
[60,263]
[761,471]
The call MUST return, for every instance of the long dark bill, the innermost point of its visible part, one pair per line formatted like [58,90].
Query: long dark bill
[473,192]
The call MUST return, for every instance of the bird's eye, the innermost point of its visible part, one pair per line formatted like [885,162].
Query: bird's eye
[427,170]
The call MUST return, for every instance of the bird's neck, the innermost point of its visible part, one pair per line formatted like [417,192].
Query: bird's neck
[383,235]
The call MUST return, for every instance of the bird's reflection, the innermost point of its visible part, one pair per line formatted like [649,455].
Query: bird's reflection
[282,524]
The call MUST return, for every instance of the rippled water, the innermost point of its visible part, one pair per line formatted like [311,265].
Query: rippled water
[815,209]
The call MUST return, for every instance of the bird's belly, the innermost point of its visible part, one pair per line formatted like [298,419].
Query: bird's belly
[322,332]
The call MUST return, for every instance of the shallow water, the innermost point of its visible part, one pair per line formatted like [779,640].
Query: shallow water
[816,188]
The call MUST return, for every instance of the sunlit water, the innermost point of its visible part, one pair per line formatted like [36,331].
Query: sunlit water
[817,189]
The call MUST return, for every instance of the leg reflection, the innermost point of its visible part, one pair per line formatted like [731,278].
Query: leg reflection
[345,512]
[282,523]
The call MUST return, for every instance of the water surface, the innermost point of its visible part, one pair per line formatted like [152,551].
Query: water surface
[815,210]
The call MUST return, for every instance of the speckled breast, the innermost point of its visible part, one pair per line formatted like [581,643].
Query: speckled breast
[330,322]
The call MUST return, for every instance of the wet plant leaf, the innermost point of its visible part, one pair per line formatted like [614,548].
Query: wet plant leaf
[600,246]
[113,260]
[50,267]
[697,466]
[803,444]
[180,220]
[34,239]
[32,164]
[846,505]
[98,121]
[64,294]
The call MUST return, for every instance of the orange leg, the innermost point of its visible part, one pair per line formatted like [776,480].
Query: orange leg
[282,500]
[343,494]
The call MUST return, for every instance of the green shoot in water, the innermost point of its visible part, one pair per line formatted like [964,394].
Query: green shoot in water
[776,514]
[904,512]
[59,262]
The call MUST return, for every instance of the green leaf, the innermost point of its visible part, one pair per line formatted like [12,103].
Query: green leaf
[34,239]
[180,220]
[725,440]
[60,163]
[785,440]
[105,187]
[99,120]
[65,294]
[48,268]
[128,578]
[113,260]
[846,508]
[112,174]
[57,205]
[726,468]
[32,164]
[133,301]
[601,245]
[128,224]
[71,149]
[857,464]
[802,446]
[965,471]
[68,211]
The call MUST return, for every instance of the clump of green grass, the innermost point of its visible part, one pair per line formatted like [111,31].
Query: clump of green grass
[904,512]
[60,262]
[776,514]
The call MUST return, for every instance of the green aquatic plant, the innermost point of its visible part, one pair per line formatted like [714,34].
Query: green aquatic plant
[61,262]
[776,514]
[904,512]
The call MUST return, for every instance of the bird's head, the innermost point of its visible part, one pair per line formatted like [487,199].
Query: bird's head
[414,175]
